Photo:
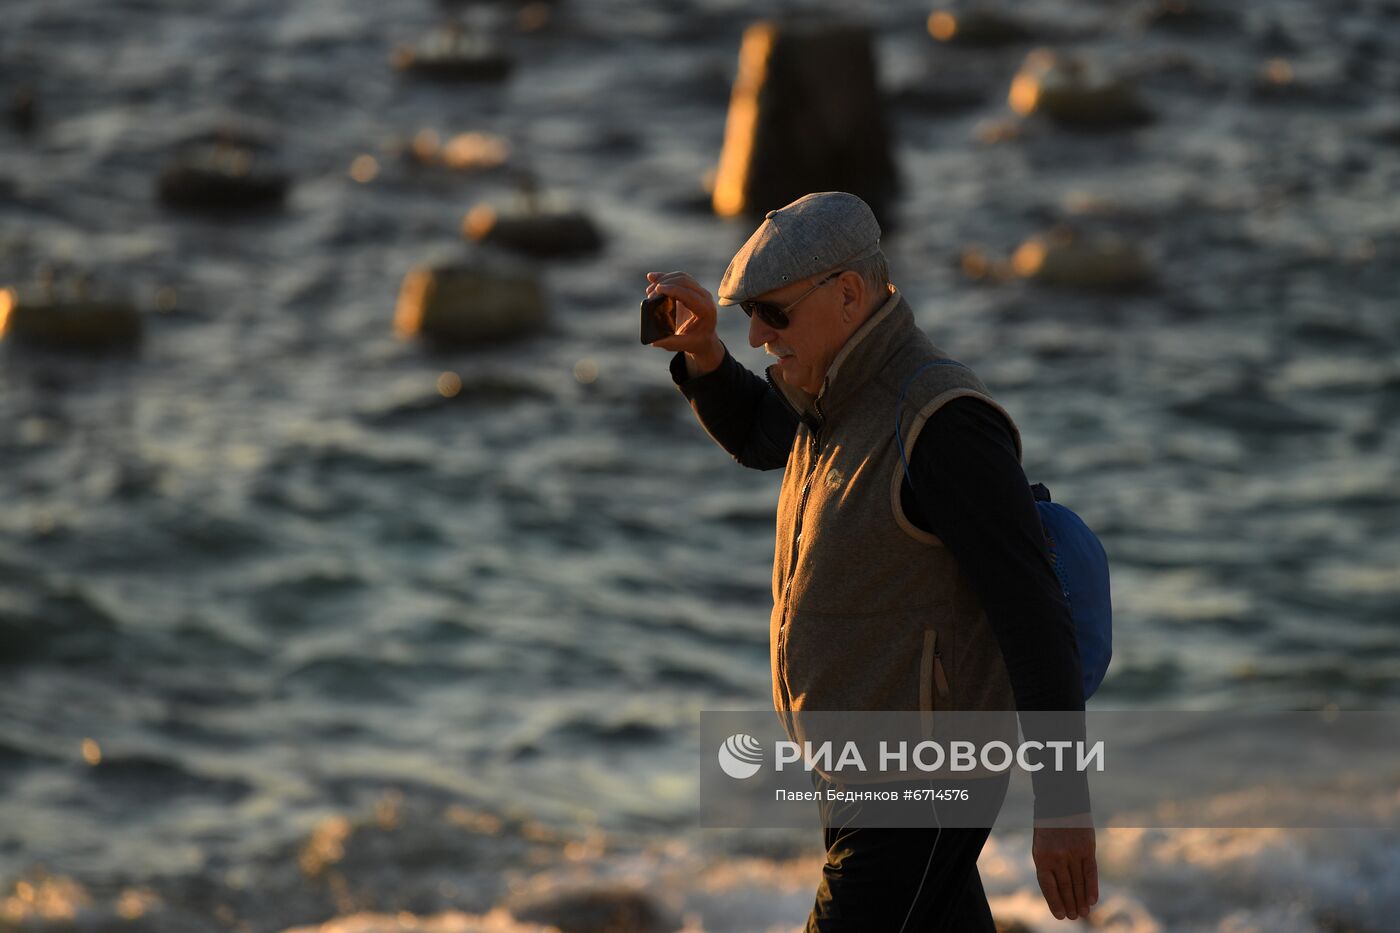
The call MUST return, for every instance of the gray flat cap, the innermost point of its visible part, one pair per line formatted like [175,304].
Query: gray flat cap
[815,233]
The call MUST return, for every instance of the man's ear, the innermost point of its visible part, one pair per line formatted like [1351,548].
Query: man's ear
[852,290]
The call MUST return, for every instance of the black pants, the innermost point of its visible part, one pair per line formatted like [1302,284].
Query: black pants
[901,880]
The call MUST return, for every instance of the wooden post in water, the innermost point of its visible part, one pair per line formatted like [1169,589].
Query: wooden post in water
[805,115]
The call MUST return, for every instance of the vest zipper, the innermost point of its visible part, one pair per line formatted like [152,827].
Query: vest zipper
[797,535]
[816,446]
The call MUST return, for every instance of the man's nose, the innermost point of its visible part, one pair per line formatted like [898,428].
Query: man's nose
[759,332]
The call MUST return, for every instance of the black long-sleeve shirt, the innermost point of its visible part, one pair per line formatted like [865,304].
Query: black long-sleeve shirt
[970,491]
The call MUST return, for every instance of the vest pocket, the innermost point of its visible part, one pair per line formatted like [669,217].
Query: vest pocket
[940,679]
[933,680]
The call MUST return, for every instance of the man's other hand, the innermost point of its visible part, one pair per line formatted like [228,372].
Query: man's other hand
[696,336]
[1066,868]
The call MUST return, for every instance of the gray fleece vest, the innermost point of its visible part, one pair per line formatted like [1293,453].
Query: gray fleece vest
[869,612]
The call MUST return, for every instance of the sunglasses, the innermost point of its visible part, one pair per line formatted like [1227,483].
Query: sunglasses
[777,317]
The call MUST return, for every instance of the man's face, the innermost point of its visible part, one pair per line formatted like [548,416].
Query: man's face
[814,335]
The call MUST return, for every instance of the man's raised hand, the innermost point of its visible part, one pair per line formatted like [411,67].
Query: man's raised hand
[695,336]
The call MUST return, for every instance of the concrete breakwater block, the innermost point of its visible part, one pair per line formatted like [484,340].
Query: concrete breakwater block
[466,303]
[223,172]
[535,228]
[463,152]
[68,317]
[1073,93]
[1064,258]
[976,27]
[455,53]
[805,114]
[600,910]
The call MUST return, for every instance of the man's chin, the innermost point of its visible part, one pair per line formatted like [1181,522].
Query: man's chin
[794,373]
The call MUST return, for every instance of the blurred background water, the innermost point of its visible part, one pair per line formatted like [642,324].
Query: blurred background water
[265,572]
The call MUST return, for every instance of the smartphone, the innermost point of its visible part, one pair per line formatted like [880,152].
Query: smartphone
[658,318]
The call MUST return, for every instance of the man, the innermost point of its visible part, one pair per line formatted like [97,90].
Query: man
[887,594]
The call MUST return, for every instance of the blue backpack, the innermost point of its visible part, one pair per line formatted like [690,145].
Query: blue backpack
[1080,564]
